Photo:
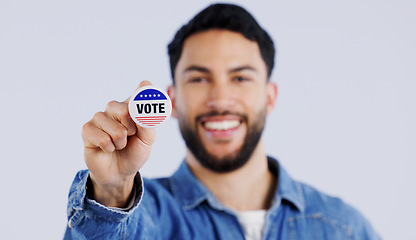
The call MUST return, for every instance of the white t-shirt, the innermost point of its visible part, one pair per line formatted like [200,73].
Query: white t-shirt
[252,223]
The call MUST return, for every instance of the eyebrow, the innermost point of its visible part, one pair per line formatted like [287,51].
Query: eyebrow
[196,68]
[242,68]
[206,70]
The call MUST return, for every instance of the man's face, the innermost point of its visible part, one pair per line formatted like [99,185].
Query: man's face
[221,97]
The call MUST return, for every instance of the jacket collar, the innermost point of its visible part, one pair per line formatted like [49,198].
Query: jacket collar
[190,192]
[287,189]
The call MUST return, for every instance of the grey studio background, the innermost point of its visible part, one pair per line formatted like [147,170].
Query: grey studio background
[344,120]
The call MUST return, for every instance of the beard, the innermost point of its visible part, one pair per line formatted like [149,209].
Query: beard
[228,162]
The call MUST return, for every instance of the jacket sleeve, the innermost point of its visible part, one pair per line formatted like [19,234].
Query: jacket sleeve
[88,219]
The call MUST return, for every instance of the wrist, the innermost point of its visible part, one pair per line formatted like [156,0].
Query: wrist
[111,195]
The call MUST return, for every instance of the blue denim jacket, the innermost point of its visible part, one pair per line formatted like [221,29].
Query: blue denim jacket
[181,207]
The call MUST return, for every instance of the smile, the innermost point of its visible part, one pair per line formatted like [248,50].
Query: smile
[221,125]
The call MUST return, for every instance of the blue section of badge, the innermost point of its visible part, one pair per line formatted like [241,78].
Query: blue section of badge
[150,94]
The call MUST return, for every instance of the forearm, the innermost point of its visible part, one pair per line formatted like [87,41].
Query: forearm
[87,217]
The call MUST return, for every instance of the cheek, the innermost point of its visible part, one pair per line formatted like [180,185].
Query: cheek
[255,102]
[194,99]
[186,107]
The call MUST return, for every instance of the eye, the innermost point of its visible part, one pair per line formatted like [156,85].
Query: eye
[241,79]
[197,80]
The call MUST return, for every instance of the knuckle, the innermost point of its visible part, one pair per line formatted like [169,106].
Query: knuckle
[124,112]
[99,115]
[131,129]
[117,110]
[111,106]
[105,142]
[120,134]
[86,129]
[86,126]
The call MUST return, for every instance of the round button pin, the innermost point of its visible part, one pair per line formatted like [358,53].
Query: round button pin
[150,106]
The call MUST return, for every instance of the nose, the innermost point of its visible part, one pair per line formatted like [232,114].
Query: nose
[221,97]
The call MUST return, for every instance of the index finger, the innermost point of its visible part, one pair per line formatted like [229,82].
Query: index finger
[142,84]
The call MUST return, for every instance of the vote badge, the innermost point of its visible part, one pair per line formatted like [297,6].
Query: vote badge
[149,107]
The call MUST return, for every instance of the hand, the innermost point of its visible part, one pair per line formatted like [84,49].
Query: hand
[115,148]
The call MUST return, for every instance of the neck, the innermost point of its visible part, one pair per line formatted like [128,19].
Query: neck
[250,187]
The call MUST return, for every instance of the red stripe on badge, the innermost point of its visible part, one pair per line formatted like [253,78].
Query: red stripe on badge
[151,121]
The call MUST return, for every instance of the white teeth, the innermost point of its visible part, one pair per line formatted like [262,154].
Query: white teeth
[222,125]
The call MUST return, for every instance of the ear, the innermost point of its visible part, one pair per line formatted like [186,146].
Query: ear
[171,93]
[272,92]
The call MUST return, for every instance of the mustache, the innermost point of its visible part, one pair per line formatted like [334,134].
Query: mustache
[215,113]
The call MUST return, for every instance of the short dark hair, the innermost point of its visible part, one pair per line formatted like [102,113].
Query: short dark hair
[228,17]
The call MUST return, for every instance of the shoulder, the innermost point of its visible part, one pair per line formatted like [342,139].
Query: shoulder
[331,210]
[318,201]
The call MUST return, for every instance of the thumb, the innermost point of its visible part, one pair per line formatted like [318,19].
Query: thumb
[146,135]
[142,84]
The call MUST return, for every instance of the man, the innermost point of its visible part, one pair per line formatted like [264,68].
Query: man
[227,187]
